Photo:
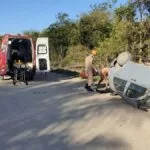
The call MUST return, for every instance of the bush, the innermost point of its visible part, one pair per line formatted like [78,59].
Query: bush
[75,56]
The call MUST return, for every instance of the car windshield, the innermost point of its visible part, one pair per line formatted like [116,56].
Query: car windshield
[135,91]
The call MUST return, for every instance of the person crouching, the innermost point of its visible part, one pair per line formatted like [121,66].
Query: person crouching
[104,77]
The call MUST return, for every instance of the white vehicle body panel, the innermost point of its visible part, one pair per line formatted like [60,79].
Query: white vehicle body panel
[132,81]
[42,55]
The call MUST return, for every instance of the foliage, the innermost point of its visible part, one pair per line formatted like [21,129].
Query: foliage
[32,33]
[111,31]
[0,40]
[75,56]
[125,13]
[142,7]
[63,33]
[138,37]
[110,47]
[94,27]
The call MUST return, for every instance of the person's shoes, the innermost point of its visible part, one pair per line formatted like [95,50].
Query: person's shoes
[90,89]
[86,86]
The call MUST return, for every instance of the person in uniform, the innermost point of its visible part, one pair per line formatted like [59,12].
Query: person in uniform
[104,76]
[89,70]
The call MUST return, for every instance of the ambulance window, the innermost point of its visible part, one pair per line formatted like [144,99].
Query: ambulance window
[119,84]
[42,49]
[135,91]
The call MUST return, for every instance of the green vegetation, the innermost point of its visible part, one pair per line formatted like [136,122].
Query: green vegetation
[111,30]
[0,39]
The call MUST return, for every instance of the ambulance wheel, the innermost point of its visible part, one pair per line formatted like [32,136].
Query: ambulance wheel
[30,76]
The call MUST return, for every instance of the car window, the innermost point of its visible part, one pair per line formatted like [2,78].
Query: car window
[119,84]
[135,91]
[42,49]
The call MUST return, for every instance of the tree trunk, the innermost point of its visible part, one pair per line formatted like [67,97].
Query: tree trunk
[140,45]
[61,53]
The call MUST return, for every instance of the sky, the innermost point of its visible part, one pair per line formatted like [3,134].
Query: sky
[17,16]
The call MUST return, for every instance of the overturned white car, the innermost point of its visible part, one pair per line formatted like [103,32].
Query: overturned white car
[132,82]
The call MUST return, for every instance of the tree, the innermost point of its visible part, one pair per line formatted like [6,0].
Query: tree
[125,13]
[0,40]
[95,26]
[63,33]
[113,45]
[142,7]
[111,31]
[74,34]
[35,34]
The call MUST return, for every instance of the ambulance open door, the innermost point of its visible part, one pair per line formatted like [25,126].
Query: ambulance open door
[42,55]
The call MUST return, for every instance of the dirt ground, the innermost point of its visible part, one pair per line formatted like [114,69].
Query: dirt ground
[62,115]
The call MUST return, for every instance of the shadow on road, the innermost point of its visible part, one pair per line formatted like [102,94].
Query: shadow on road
[51,77]
[39,78]
[59,117]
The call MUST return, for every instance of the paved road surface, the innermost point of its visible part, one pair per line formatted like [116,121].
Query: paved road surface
[58,114]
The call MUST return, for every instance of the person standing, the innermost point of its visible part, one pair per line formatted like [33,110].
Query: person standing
[89,70]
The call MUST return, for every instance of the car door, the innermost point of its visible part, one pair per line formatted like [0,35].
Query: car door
[42,55]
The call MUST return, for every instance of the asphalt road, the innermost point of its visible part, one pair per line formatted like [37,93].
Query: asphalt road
[56,113]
